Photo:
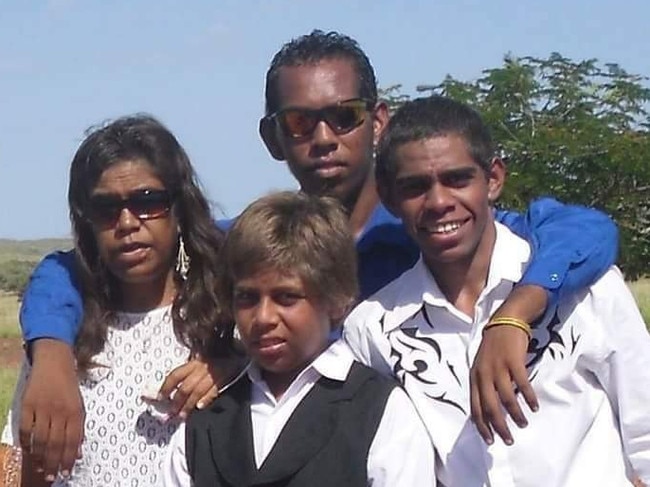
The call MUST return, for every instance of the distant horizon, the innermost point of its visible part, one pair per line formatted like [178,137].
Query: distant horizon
[4,240]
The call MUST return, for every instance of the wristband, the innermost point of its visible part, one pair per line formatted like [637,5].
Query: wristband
[516,322]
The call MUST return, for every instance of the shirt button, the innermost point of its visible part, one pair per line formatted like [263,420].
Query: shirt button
[555,277]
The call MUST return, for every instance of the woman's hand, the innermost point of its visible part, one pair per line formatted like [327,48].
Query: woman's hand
[52,412]
[197,383]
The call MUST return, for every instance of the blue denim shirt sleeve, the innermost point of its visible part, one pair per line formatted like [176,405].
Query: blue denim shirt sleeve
[572,245]
[52,306]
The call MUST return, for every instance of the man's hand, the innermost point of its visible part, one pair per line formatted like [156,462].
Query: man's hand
[500,362]
[52,413]
[196,383]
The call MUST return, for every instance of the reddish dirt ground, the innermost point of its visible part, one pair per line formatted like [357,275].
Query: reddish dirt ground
[11,352]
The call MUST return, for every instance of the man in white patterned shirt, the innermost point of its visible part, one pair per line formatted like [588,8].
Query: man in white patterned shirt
[589,359]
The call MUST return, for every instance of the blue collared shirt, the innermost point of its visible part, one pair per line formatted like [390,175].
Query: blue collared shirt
[572,247]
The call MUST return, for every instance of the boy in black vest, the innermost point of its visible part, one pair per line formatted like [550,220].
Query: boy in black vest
[305,413]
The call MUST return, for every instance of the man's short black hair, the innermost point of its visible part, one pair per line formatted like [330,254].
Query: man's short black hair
[425,118]
[313,48]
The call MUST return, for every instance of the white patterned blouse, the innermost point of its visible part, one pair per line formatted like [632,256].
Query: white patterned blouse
[124,443]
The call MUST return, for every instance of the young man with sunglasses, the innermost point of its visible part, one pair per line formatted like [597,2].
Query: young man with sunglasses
[324,119]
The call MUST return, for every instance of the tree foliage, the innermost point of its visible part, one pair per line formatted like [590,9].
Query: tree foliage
[578,131]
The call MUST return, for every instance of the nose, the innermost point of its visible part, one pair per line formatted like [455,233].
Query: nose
[324,137]
[266,313]
[127,222]
[439,199]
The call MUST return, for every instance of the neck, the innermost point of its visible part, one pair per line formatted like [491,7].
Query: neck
[463,281]
[278,384]
[362,207]
[138,297]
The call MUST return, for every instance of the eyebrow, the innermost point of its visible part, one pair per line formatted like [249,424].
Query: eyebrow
[453,171]
[460,171]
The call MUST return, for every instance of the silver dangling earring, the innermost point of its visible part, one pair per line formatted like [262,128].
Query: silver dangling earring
[182,259]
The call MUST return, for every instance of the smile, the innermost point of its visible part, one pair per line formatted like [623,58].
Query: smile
[444,228]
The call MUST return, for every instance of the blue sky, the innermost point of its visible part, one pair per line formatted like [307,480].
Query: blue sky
[199,66]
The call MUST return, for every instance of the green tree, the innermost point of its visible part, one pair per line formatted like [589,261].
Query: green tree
[578,131]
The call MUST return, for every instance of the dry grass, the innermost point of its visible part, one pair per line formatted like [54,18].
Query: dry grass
[8,378]
[8,329]
[9,306]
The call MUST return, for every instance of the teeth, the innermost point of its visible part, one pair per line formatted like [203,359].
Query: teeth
[445,227]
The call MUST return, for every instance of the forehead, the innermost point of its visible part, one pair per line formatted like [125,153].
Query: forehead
[128,175]
[269,278]
[317,84]
[433,154]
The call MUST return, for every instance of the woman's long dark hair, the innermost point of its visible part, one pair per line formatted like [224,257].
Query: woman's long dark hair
[198,319]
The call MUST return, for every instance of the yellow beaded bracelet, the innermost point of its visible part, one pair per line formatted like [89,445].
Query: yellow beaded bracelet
[516,322]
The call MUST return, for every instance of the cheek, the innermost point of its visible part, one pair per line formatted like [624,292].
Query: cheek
[295,153]
[104,241]
[165,235]
[361,145]
[408,210]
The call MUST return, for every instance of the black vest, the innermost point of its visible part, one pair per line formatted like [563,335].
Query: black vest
[325,442]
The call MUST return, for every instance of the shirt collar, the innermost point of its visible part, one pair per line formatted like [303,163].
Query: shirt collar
[334,363]
[510,257]
[417,285]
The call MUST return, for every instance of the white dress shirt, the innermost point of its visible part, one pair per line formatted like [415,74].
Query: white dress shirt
[590,369]
[400,454]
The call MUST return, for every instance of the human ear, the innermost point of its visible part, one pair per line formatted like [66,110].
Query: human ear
[379,121]
[496,179]
[269,136]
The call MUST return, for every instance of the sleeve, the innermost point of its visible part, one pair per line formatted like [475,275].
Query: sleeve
[572,245]
[401,454]
[624,372]
[52,306]
[174,468]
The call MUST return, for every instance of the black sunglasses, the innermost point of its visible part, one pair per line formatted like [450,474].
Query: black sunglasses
[145,204]
[341,117]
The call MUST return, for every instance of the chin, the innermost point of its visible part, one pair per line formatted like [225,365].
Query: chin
[448,256]
[137,275]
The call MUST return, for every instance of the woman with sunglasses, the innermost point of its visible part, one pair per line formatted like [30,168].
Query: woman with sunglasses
[145,243]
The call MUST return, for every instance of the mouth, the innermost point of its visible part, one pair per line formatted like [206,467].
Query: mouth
[327,169]
[132,253]
[132,247]
[269,345]
[446,227]
[443,228]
